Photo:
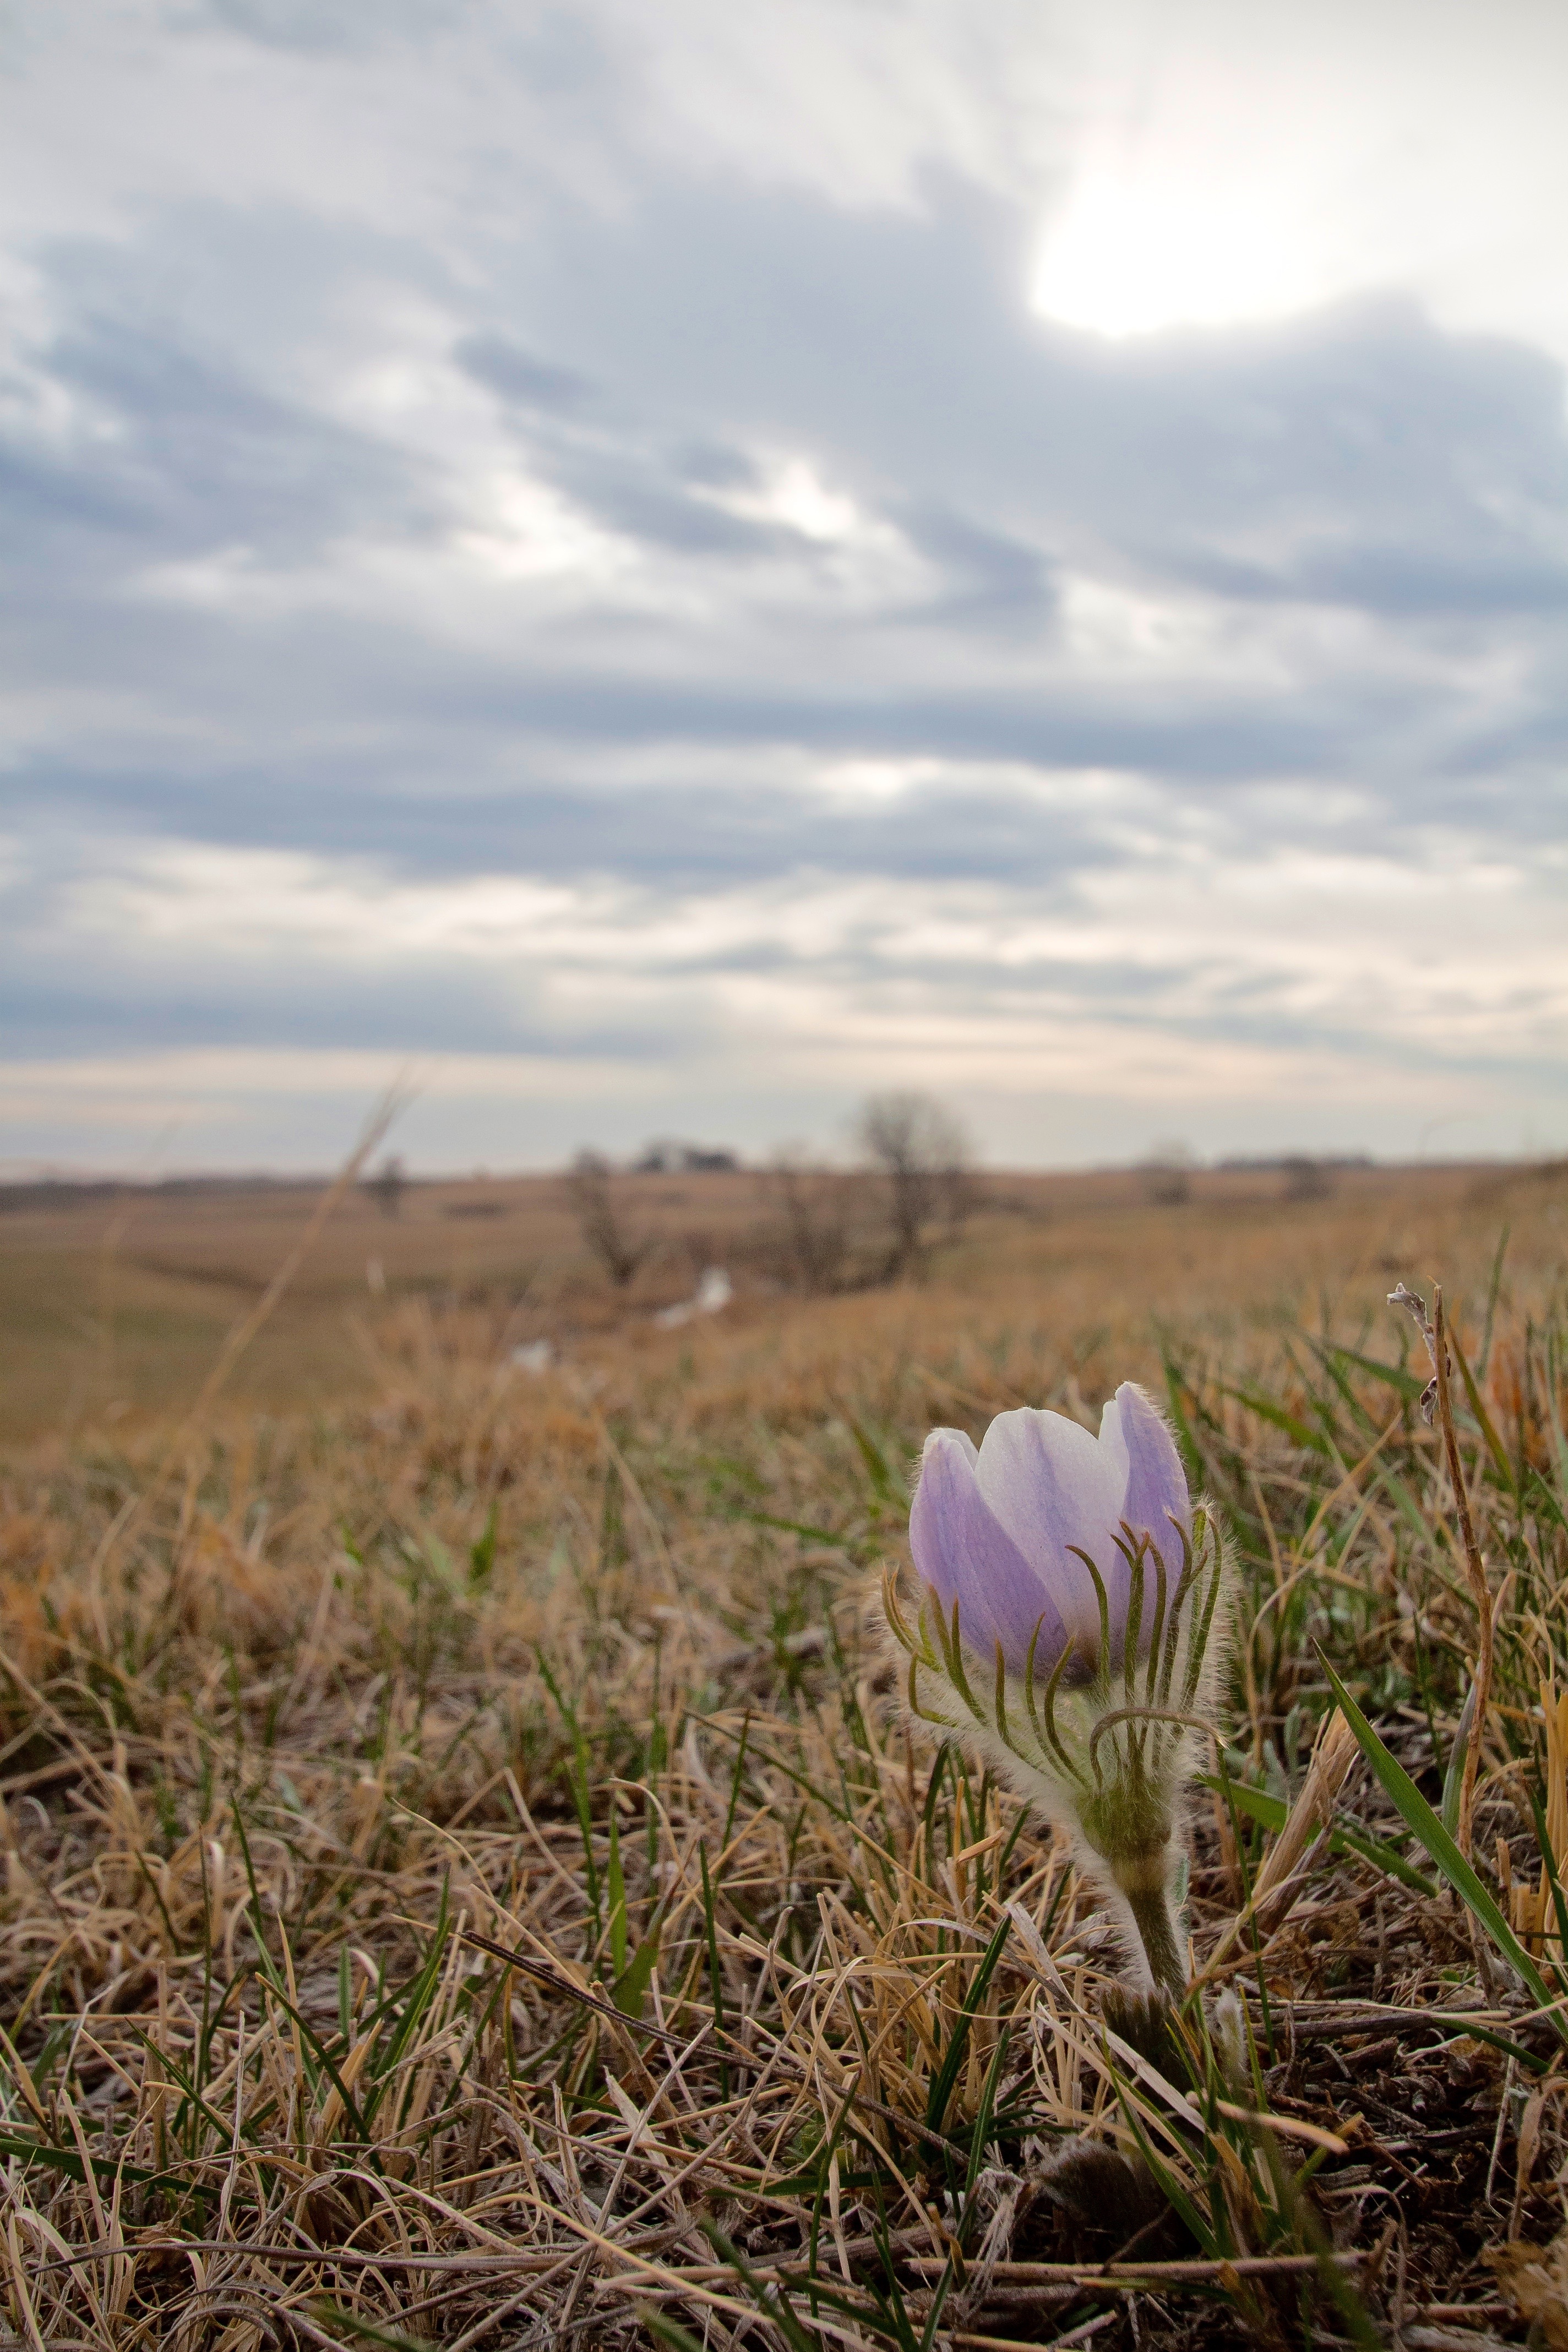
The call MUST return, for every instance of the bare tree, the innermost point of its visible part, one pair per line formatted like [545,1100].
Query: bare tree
[1167,1173]
[385,1187]
[816,1218]
[922,1150]
[618,1253]
[1305,1179]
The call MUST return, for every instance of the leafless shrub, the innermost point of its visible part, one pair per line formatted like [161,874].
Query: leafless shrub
[922,1152]
[599,1220]
[1167,1174]
[813,1205]
[1305,1179]
[386,1187]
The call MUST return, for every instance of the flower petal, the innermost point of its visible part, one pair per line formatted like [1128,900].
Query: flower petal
[1051,1484]
[1134,1436]
[1155,1491]
[960,1548]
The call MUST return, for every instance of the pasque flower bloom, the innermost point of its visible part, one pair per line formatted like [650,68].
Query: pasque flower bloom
[1071,1593]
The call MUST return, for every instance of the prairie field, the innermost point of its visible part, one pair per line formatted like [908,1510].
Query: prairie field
[471,1880]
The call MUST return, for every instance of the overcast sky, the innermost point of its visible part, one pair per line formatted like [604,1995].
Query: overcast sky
[659,568]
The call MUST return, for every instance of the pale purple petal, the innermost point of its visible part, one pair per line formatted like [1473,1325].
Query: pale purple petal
[1155,1489]
[1051,1484]
[961,1550]
[1133,1434]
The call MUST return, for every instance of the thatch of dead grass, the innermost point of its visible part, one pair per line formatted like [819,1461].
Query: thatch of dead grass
[468,1881]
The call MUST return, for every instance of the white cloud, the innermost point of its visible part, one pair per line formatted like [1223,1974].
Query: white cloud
[1220,163]
[1188,953]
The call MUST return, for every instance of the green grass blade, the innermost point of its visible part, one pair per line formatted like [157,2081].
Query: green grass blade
[1175,2196]
[1494,1286]
[941,2088]
[358,2330]
[1311,1441]
[669,2331]
[771,2301]
[1549,1864]
[1483,1419]
[735,1784]
[415,2001]
[878,1472]
[943,2287]
[1419,1818]
[221,2124]
[715,1980]
[107,2167]
[978,2136]
[482,1554]
[615,1888]
[1261,1805]
[629,1992]
[1403,1382]
[1454,1777]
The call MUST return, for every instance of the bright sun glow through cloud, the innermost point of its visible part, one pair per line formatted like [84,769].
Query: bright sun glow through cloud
[1138,252]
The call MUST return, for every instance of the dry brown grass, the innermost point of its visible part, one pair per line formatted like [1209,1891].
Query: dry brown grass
[112,1308]
[584,1666]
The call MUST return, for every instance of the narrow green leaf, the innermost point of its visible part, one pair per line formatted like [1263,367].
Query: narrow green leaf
[883,1484]
[1454,1777]
[1312,1441]
[1175,1388]
[615,1886]
[735,1783]
[982,2132]
[629,1992]
[715,1980]
[802,1782]
[580,1781]
[1418,1817]
[1261,1805]
[1549,1864]
[221,2124]
[943,2287]
[828,1536]
[482,1554]
[771,2301]
[941,2088]
[669,2331]
[1483,1418]
[1176,2197]
[365,2331]
[67,2160]
[415,2000]
[1404,1383]
[313,2042]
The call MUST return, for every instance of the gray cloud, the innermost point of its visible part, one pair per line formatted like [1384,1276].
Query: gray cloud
[517,376]
[623,555]
[327,27]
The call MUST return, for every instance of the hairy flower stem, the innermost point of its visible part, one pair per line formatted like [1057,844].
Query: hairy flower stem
[1127,1823]
[1151,1914]
[1145,1879]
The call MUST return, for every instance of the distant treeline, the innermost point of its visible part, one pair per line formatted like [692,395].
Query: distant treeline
[77,1191]
[1277,1162]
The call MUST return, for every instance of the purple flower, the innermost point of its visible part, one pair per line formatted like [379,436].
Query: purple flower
[1000,1531]
[1073,1618]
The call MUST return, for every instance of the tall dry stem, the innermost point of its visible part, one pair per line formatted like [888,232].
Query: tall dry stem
[1434,1332]
[1475,1569]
